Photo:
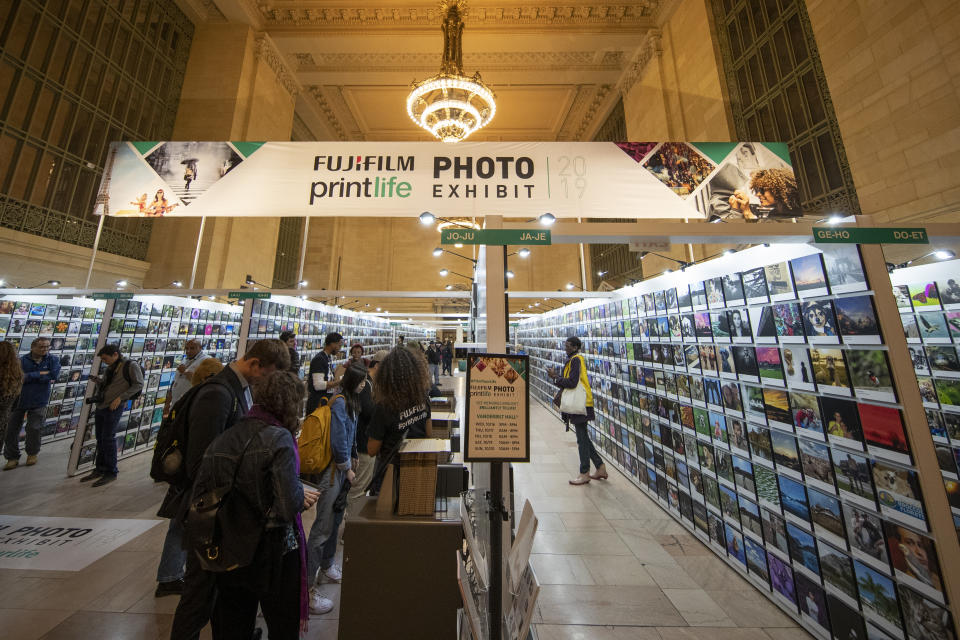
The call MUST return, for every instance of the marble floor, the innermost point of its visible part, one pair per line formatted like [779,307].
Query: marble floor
[612,564]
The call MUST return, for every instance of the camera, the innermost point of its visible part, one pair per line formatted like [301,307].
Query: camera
[95,399]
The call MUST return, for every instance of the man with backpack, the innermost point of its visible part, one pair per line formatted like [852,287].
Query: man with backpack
[122,381]
[322,381]
[200,416]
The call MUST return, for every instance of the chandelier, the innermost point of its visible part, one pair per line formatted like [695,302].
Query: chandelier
[451,105]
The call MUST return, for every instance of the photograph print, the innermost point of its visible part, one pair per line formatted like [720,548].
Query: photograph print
[914,559]
[924,295]
[796,365]
[785,453]
[776,405]
[756,559]
[793,495]
[837,570]
[923,619]
[788,322]
[844,268]
[819,322]
[843,421]
[779,281]
[883,432]
[733,289]
[857,320]
[949,292]
[755,286]
[806,414]
[781,578]
[878,597]
[738,322]
[830,370]
[845,620]
[745,361]
[817,466]
[898,492]
[808,276]
[865,533]
[870,374]
[813,603]
[770,365]
[803,549]
[735,545]
[680,167]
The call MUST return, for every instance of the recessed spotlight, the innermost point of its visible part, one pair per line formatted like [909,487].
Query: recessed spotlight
[437,252]
[176,283]
[444,272]
[121,283]
[570,286]
[943,254]
[524,252]
[510,274]
[547,219]
[427,218]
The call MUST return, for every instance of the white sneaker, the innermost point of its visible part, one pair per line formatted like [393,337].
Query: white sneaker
[318,604]
[333,574]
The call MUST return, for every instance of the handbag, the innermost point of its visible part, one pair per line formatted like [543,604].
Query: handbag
[574,401]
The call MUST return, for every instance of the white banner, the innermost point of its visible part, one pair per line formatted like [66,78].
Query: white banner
[63,544]
[569,179]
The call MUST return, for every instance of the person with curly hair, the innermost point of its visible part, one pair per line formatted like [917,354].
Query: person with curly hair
[11,381]
[778,194]
[402,408]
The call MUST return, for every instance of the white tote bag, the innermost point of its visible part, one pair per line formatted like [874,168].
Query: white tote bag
[574,401]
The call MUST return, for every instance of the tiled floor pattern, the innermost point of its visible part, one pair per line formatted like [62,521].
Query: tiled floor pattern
[613,565]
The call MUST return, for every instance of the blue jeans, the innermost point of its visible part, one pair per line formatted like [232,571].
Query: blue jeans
[322,541]
[34,422]
[587,451]
[173,558]
[435,372]
[105,423]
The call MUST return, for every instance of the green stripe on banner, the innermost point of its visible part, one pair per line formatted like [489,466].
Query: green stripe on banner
[716,151]
[781,149]
[144,146]
[246,149]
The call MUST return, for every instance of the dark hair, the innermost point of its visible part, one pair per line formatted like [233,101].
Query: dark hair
[40,339]
[280,395]
[286,335]
[332,337]
[575,341]
[352,377]
[108,350]
[269,352]
[402,379]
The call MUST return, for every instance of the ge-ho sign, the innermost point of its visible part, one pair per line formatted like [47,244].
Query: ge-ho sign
[495,236]
[892,235]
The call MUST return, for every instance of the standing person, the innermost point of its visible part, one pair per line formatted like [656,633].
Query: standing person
[399,341]
[433,359]
[575,373]
[183,380]
[122,381]
[11,381]
[364,463]
[40,371]
[216,407]
[322,379]
[403,408]
[289,338]
[356,354]
[209,367]
[322,543]
[447,353]
[258,457]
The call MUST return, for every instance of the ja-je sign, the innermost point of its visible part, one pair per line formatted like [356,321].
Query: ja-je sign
[249,295]
[891,235]
[495,236]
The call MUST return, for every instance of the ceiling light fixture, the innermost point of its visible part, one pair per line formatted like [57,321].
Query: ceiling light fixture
[451,105]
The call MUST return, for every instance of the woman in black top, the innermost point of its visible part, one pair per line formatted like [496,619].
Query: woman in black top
[259,456]
[403,409]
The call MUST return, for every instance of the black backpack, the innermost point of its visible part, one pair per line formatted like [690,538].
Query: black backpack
[169,451]
[126,376]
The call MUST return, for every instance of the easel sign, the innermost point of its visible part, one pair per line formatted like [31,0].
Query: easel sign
[498,408]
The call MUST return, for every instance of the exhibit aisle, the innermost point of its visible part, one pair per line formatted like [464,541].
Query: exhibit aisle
[613,565]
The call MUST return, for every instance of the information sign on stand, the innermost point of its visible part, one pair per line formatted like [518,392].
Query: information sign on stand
[249,295]
[498,408]
[854,235]
[111,295]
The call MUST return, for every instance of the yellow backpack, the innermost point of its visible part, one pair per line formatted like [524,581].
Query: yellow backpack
[316,452]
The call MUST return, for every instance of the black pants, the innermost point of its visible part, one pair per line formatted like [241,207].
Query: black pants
[588,453]
[196,603]
[235,612]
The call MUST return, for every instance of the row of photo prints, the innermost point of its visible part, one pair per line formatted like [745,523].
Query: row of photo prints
[72,329]
[798,515]
[766,422]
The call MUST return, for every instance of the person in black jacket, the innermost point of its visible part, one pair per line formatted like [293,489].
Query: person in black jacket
[223,399]
[447,353]
[433,359]
[322,380]
[258,458]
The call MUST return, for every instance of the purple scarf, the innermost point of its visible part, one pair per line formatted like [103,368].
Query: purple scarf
[259,413]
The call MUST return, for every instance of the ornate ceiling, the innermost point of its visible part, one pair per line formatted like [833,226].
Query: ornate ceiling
[556,69]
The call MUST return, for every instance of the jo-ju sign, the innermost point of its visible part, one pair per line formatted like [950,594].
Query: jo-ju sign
[494,236]
[695,180]
[498,408]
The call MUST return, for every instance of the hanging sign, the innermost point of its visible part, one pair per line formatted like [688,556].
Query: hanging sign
[249,295]
[498,408]
[495,236]
[694,180]
[892,235]
[111,295]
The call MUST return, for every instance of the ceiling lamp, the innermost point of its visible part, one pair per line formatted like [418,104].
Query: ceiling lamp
[451,105]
